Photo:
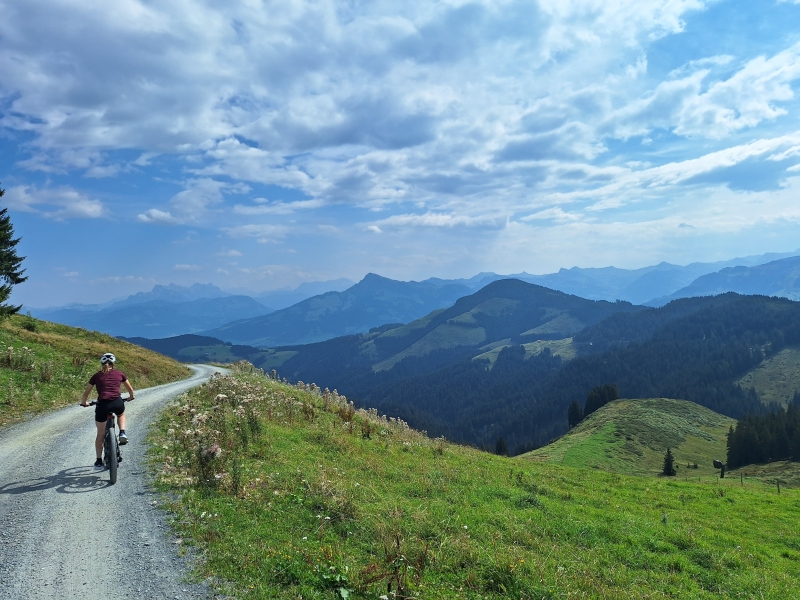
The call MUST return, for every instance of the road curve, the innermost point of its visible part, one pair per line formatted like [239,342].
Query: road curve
[65,532]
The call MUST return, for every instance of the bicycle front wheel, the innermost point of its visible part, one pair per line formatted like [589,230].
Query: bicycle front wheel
[111,454]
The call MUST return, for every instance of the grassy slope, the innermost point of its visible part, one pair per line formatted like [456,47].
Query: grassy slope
[631,437]
[777,378]
[563,348]
[59,361]
[313,508]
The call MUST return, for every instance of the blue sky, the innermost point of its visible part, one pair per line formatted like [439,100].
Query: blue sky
[257,145]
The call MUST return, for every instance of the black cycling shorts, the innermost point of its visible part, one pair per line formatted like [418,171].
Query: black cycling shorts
[103,407]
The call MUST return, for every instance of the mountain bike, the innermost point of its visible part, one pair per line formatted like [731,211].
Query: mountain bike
[111,453]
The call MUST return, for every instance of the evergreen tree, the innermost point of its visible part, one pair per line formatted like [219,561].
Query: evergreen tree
[574,414]
[669,464]
[599,396]
[10,272]
[500,447]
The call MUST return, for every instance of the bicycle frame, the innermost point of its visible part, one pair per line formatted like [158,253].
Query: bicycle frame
[111,452]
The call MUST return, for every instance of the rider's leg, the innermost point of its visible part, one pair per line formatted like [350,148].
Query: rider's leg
[98,441]
[121,421]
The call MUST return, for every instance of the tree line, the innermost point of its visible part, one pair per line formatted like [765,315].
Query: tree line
[597,398]
[767,437]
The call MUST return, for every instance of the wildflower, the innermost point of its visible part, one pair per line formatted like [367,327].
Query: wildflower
[215,450]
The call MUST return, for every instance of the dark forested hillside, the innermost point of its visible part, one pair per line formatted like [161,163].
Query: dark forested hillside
[692,349]
[764,438]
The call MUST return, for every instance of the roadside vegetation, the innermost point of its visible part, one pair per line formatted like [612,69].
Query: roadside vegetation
[44,365]
[291,492]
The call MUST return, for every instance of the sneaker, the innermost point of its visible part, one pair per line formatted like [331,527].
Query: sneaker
[123,439]
[98,464]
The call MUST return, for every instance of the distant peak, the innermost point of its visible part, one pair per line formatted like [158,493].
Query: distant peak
[374,278]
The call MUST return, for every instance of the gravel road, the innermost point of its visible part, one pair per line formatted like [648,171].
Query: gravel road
[65,532]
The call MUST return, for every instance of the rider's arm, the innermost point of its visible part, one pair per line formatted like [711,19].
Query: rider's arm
[130,389]
[86,392]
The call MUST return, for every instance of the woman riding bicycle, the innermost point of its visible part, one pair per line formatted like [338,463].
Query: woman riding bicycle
[108,381]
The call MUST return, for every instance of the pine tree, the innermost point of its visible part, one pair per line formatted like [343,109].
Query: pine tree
[500,447]
[574,414]
[669,464]
[10,272]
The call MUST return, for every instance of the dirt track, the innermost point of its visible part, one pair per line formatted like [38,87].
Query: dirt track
[65,532]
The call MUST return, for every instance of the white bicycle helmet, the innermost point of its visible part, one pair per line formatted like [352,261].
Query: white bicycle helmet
[108,358]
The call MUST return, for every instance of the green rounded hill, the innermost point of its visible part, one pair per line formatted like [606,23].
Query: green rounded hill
[631,437]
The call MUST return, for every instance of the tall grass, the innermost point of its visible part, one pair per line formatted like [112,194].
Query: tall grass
[45,365]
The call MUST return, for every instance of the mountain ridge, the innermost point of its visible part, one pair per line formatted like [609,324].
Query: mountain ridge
[775,278]
[372,302]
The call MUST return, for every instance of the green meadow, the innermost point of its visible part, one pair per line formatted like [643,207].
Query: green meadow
[290,492]
[777,378]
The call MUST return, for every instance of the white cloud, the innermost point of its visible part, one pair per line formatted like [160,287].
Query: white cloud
[192,204]
[745,99]
[186,268]
[228,253]
[694,106]
[264,233]
[363,104]
[659,181]
[277,208]
[438,220]
[60,203]
[159,217]
[556,214]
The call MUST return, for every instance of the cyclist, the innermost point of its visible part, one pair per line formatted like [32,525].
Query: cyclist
[108,381]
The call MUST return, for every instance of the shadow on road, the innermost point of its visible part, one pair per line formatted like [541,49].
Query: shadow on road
[74,480]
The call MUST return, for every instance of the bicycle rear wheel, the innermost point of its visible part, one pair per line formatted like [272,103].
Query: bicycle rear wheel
[110,447]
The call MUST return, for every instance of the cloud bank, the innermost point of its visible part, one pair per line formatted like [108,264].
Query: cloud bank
[457,122]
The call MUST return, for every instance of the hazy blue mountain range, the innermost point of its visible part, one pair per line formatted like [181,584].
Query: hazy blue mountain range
[372,302]
[776,278]
[278,299]
[160,318]
[175,293]
[171,294]
[321,310]
[638,286]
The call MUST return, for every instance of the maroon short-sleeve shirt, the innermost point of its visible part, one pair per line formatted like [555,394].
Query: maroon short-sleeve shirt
[108,383]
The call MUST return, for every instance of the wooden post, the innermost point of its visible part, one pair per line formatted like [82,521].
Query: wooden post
[778,481]
[741,479]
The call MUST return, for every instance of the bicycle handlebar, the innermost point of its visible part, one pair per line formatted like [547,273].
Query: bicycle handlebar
[94,402]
